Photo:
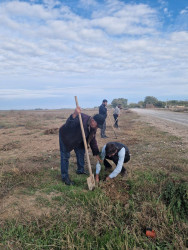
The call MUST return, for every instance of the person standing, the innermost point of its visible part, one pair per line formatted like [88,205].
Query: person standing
[103,112]
[119,154]
[116,115]
[70,138]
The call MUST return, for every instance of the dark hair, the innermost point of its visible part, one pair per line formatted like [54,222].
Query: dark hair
[104,100]
[99,120]
[110,148]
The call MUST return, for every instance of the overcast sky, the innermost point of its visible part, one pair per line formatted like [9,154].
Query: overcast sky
[52,50]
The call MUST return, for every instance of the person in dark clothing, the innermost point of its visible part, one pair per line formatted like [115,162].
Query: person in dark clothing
[103,112]
[119,154]
[70,137]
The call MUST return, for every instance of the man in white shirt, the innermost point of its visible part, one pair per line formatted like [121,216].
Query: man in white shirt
[118,153]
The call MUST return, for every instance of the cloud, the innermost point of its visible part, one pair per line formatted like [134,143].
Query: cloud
[50,4]
[88,3]
[184,11]
[112,46]
[126,19]
[25,11]
[44,93]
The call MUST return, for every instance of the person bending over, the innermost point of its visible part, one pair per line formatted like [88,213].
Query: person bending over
[70,138]
[119,154]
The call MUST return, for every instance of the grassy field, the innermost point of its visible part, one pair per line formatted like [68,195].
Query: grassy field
[37,211]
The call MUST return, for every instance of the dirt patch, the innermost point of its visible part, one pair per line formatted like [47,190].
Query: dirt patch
[132,141]
[10,146]
[18,204]
[51,131]
[116,189]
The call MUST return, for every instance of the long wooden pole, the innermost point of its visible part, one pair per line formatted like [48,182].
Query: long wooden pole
[84,139]
[112,125]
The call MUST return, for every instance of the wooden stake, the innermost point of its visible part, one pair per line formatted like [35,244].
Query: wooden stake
[90,179]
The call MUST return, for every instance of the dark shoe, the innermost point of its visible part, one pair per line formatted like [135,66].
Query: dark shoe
[123,172]
[104,136]
[84,172]
[67,181]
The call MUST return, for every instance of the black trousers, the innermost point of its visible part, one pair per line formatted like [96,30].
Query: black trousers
[103,129]
[116,120]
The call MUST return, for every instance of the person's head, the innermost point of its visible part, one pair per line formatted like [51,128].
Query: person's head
[110,149]
[97,121]
[119,106]
[104,102]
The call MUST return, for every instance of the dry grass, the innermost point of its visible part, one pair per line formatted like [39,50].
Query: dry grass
[10,146]
[37,211]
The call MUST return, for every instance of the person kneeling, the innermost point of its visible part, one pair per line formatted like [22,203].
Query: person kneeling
[119,154]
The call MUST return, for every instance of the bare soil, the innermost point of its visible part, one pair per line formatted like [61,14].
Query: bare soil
[116,190]
[171,127]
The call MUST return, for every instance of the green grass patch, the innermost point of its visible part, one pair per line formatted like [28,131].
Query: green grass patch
[42,201]
[175,196]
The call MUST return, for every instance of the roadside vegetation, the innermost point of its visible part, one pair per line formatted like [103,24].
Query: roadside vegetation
[38,211]
[153,102]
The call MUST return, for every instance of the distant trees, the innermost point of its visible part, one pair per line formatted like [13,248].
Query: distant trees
[141,104]
[150,100]
[134,105]
[160,104]
[121,101]
[153,100]
[178,103]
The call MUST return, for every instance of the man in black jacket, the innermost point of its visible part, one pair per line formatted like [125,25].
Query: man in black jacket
[70,137]
[103,112]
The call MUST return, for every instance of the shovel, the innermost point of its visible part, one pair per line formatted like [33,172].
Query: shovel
[90,179]
[112,126]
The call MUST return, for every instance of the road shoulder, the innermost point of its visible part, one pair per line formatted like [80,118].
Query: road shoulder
[166,126]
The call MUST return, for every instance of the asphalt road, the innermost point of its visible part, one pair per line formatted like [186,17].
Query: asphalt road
[175,117]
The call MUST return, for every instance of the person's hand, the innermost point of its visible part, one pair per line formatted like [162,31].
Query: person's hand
[76,112]
[97,178]
[99,159]
[108,178]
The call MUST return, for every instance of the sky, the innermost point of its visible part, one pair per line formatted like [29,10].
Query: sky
[52,50]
